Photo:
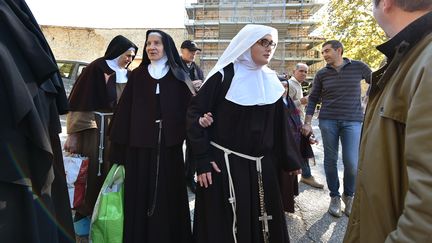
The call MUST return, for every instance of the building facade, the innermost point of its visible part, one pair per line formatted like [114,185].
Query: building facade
[213,23]
[87,44]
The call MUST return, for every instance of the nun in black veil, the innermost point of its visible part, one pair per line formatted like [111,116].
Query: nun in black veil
[147,134]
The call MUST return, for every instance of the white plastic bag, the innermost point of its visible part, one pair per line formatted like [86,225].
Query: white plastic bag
[76,168]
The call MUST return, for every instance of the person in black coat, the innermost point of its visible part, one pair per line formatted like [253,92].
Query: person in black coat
[92,100]
[240,139]
[189,49]
[147,134]
[34,201]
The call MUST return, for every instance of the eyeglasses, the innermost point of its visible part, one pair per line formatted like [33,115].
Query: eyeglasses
[266,43]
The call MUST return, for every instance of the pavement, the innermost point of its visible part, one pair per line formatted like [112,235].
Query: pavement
[311,222]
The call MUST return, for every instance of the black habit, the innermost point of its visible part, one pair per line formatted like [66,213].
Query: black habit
[289,183]
[156,203]
[251,130]
[95,90]
[195,73]
[34,203]
[92,90]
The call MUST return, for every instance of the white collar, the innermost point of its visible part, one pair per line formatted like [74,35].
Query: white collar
[294,79]
[121,72]
[158,68]
[251,84]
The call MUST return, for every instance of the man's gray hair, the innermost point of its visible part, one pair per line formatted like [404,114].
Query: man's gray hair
[300,64]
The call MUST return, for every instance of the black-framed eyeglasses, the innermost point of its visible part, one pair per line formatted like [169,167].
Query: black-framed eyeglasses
[266,43]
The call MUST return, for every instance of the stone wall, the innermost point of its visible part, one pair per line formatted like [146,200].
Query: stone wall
[87,44]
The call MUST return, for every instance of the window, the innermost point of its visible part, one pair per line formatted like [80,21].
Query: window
[65,69]
[80,69]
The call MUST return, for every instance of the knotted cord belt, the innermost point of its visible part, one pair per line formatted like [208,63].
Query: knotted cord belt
[232,199]
[101,137]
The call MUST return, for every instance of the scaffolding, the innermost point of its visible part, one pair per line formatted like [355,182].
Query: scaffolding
[213,23]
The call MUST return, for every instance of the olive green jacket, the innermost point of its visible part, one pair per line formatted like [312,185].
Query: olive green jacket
[393,199]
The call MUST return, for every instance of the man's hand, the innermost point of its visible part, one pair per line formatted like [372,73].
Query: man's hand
[71,144]
[206,120]
[312,139]
[205,179]
[304,100]
[306,129]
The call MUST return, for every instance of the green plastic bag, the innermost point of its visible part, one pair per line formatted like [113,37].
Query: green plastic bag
[107,219]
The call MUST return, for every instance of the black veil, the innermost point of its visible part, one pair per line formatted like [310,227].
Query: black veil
[174,60]
[118,46]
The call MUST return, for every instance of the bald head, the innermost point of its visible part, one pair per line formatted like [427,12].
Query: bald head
[300,72]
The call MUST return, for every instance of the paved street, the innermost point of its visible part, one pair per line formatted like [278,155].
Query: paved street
[310,222]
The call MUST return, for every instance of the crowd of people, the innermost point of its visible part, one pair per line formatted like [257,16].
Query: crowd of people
[247,130]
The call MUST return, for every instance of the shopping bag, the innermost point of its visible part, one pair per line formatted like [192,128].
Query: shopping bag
[107,219]
[76,169]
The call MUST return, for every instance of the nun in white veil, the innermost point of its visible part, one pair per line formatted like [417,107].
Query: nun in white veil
[240,139]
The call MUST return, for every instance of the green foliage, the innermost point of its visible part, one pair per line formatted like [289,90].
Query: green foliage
[352,23]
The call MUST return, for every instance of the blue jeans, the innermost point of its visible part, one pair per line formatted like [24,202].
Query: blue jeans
[349,134]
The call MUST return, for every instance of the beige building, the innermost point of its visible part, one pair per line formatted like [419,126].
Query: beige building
[87,44]
[213,23]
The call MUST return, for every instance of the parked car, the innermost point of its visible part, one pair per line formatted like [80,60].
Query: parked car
[69,71]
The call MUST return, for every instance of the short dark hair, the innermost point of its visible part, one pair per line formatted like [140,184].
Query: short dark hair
[411,5]
[334,44]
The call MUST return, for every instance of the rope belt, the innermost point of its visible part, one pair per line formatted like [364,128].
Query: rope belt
[101,137]
[150,211]
[232,199]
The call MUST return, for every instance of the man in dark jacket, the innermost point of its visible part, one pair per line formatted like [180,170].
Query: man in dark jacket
[189,50]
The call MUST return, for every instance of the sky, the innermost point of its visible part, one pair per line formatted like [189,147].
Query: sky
[110,13]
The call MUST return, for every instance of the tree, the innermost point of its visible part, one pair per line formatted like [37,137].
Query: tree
[352,23]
